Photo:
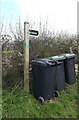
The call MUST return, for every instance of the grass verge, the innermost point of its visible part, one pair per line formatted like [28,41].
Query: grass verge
[22,105]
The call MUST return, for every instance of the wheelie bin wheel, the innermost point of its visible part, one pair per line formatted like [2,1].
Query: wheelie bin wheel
[41,100]
[56,93]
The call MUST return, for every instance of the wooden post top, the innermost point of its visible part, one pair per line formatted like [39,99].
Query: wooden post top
[26,22]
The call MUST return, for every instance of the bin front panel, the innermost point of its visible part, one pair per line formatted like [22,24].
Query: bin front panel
[60,73]
[43,84]
[70,71]
[60,77]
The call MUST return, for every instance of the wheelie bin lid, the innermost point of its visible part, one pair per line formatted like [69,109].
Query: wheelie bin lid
[67,55]
[57,57]
[43,62]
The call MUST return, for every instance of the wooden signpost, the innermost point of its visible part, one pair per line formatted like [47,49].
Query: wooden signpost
[78,31]
[26,56]
[27,32]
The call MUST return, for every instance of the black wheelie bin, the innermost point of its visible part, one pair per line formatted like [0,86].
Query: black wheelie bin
[69,64]
[44,78]
[60,73]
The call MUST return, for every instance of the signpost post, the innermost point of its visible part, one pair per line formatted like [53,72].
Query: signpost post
[27,32]
[26,56]
[78,31]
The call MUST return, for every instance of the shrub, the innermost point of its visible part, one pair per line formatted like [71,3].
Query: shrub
[44,45]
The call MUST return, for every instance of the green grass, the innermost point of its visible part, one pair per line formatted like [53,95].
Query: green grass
[22,105]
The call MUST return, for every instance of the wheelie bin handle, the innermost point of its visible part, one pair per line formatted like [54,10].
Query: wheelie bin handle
[57,62]
[53,62]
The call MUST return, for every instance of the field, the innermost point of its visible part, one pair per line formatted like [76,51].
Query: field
[22,105]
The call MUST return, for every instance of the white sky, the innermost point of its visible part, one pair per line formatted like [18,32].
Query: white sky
[60,14]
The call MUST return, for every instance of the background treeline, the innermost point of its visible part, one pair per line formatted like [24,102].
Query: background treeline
[45,45]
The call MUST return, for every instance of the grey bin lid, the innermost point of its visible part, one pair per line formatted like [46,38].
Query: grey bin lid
[57,57]
[43,62]
[62,56]
[68,56]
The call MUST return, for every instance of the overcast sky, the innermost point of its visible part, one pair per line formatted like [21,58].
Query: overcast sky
[60,14]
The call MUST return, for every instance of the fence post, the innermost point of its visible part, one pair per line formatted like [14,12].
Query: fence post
[26,56]
[78,31]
